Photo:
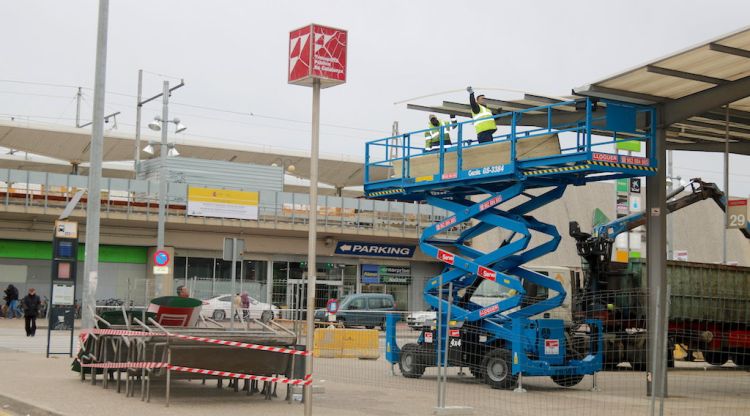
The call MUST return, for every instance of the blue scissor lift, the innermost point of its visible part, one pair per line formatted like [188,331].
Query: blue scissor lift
[498,185]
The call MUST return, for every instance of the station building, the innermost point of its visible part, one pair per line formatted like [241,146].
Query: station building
[363,245]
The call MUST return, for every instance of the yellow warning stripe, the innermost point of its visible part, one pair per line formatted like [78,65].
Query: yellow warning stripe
[623,166]
[556,170]
[387,192]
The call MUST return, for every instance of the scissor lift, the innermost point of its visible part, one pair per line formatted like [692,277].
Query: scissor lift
[498,185]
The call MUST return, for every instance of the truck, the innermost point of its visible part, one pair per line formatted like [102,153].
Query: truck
[709,308]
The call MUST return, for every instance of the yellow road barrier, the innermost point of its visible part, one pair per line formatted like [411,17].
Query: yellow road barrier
[346,343]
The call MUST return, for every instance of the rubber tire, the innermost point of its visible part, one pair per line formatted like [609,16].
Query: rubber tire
[639,360]
[715,357]
[742,358]
[219,315]
[567,380]
[409,363]
[498,359]
[369,327]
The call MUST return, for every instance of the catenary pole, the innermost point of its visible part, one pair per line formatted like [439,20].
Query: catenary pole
[91,263]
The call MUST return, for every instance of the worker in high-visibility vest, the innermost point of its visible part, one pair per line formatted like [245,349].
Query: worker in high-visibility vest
[432,136]
[484,126]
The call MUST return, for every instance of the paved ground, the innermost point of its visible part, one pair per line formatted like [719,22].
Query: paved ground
[357,387]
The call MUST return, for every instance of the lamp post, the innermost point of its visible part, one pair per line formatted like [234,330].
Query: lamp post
[139,106]
[162,123]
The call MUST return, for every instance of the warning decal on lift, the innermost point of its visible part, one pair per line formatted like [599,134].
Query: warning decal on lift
[551,347]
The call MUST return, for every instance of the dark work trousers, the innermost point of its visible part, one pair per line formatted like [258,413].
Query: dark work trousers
[30,325]
[485,136]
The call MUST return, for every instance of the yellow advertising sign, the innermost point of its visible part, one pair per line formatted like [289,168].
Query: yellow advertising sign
[222,203]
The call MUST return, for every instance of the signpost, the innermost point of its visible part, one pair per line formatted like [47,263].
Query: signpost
[62,308]
[317,58]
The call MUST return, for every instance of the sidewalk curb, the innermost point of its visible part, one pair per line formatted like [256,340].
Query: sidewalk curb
[16,405]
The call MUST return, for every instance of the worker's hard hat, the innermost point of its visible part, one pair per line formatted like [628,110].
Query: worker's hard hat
[432,116]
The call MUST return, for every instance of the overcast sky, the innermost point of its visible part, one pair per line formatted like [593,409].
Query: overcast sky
[233,56]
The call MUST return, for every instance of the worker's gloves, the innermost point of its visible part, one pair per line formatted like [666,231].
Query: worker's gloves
[470,90]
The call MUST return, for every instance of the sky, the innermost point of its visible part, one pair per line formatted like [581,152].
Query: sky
[232,56]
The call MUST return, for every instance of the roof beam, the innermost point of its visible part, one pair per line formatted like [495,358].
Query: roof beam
[509,104]
[742,148]
[716,47]
[541,99]
[685,75]
[617,94]
[440,110]
[706,100]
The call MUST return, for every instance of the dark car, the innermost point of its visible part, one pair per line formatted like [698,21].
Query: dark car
[362,309]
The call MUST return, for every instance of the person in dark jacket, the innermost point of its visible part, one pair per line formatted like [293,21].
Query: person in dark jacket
[11,299]
[31,304]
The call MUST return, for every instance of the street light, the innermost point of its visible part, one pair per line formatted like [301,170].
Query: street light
[139,105]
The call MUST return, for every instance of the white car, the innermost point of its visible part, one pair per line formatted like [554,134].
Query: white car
[219,307]
[416,320]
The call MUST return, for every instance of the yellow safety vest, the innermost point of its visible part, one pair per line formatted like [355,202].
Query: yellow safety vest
[432,135]
[483,125]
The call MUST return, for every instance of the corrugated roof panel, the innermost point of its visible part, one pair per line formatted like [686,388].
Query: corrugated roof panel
[704,61]
[642,81]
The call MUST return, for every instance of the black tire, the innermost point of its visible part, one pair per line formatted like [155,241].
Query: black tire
[219,315]
[638,360]
[497,369]
[715,357]
[409,363]
[369,327]
[567,380]
[742,358]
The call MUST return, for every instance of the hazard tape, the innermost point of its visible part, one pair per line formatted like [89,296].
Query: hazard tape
[297,382]
[126,365]
[200,339]
[242,345]
[622,165]
[387,192]
[556,170]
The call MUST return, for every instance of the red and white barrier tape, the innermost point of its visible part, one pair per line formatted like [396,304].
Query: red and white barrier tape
[126,365]
[199,339]
[242,345]
[297,382]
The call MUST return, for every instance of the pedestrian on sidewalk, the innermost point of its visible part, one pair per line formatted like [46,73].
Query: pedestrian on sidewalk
[31,304]
[245,298]
[11,300]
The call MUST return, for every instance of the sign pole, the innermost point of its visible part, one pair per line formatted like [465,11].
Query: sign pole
[311,241]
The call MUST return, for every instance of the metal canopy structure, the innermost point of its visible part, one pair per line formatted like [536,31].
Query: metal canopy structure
[692,86]
[72,146]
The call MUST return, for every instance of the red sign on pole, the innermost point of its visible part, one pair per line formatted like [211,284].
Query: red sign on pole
[317,52]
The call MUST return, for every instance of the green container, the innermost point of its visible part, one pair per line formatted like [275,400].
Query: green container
[705,292]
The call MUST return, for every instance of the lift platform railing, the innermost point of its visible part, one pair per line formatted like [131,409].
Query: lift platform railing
[593,127]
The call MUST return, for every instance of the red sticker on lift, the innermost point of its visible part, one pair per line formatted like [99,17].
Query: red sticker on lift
[446,257]
[486,273]
[488,310]
[455,333]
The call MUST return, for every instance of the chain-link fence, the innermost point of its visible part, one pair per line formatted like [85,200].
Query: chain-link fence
[589,356]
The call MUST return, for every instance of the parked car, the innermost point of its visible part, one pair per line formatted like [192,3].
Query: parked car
[416,320]
[219,307]
[362,309]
